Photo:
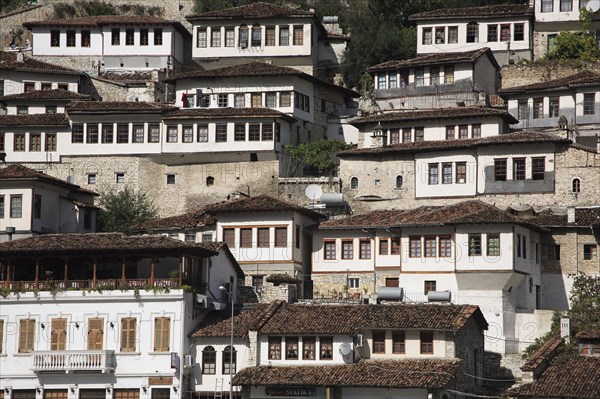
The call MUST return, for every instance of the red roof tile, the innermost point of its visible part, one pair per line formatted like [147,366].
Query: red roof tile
[430,373]
[18,172]
[544,354]
[254,10]
[435,59]
[34,120]
[584,217]
[212,113]
[494,11]
[218,324]
[259,203]
[86,107]
[589,334]
[55,94]
[190,220]
[8,61]
[437,114]
[580,79]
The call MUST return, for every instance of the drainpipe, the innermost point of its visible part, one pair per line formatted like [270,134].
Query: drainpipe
[10,230]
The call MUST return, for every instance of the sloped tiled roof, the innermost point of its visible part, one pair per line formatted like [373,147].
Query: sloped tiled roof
[254,10]
[521,137]
[189,220]
[584,217]
[437,114]
[218,324]
[434,59]
[138,77]
[543,354]
[468,212]
[34,120]
[589,334]
[425,374]
[580,79]
[493,11]
[8,61]
[259,203]
[117,107]
[54,94]
[575,378]
[18,172]
[211,113]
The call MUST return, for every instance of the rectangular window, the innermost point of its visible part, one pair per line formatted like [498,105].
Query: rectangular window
[115,36]
[54,38]
[308,348]
[91,178]
[524,246]
[158,37]
[229,237]
[518,245]
[77,133]
[120,178]
[550,45]
[398,342]
[406,135]
[122,133]
[518,168]
[419,78]
[35,142]
[71,38]
[365,249]
[50,109]
[395,250]
[461,172]
[493,245]
[298,236]
[326,348]
[538,168]
[419,134]
[450,132]
[378,341]
[26,336]
[162,334]
[22,109]
[393,81]
[588,103]
[201,38]
[474,244]
[415,246]
[285,99]
[144,37]
[246,238]
[254,132]
[472,32]
[270,33]
[209,360]
[440,35]
[354,282]
[554,106]
[187,134]
[229,37]
[463,132]
[523,109]
[347,249]
[37,206]
[271,99]
[267,132]
[256,100]
[394,136]
[239,100]
[430,247]
[58,335]
[256,36]
[445,250]
[85,38]
[138,134]
[50,142]
[453,34]
[476,131]
[426,342]
[215,37]
[128,334]
[221,133]
[381,82]
[384,246]
[434,76]
[284,36]
[291,348]
[202,134]
[19,142]
[264,237]
[129,37]
[165,393]
[95,334]
[274,348]
[281,237]
[448,75]
[492,32]
[505,32]
[538,108]
[427,36]
[433,173]
[239,132]
[500,169]
[519,33]
[107,133]
[547,5]
[566,5]
[447,173]
[298,35]
[589,251]
[92,133]
[223,100]
[1,217]
[429,285]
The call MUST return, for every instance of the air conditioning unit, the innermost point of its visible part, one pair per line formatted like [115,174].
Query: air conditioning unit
[359,340]
[188,361]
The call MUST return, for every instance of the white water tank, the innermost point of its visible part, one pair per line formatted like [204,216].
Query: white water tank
[439,296]
[390,293]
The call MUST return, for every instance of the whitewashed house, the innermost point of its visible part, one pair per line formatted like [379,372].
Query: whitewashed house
[105,315]
[474,252]
[51,101]
[505,29]
[33,203]
[437,80]
[281,35]
[111,42]
[569,106]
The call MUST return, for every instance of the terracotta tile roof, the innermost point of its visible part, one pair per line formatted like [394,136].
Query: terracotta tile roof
[140,77]
[580,79]
[55,94]
[212,113]
[429,373]
[544,354]
[337,36]
[85,107]
[434,59]
[576,378]
[218,324]
[259,203]
[495,11]
[589,334]
[468,212]
[75,243]
[521,137]
[102,20]
[257,69]
[8,62]
[18,172]
[584,217]
[347,319]
[190,220]
[437,114]
[254,10]
[34,120]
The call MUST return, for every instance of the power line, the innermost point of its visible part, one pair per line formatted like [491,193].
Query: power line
[473,395]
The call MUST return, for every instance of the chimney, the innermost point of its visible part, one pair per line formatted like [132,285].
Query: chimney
[312,10]
[20,57]
[571,214]
[378,138]
[565,328]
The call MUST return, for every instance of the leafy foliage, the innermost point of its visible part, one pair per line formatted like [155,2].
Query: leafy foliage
[537,344]
[122,211]
[317,154]
[90,8]
[569,45]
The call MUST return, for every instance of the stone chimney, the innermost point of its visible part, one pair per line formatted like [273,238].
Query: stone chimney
[565,328]
[378,138]
[571,214]
[20,57]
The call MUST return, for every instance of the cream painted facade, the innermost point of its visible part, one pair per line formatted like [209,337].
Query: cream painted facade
[14,82]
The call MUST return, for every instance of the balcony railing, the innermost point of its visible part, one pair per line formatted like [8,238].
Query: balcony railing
[102,284]
[67,361]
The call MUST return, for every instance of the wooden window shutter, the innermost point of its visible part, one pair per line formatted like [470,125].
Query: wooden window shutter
[26,335]
[58,339]
[95,334]
[162,330]
[128,331]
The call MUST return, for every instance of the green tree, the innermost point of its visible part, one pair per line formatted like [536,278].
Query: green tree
[585,303]
[319,154]
[123,210]
[574,45]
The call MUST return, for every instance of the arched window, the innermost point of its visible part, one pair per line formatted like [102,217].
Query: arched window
[243,40]
[472,32]
[399,182]
[210,181]
[256,35]
[228,354]
[209,360]
[354,183]
[576,185]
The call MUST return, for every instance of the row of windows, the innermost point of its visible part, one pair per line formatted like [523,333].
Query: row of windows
[250,36]
[399,182]
[452,172]
[96,393]
[85,37]
[291,346]
[35,142]
[495,32]
[95,334]
[519,168]
[24,109]
[209,360]
[387,246]
[15,210]
[437,76]
[564,5]
[553,107]
[399,342]
[260,237]
[271,99]
[31,86]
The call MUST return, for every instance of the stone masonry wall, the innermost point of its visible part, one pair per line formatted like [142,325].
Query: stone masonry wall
[526,73]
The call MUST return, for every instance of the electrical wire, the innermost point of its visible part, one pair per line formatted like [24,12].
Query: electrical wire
[472,394]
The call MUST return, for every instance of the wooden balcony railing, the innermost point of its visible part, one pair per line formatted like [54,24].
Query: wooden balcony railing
[100,284]
[67,361]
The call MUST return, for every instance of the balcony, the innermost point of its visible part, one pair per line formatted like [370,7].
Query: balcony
[100,284]
[71,361]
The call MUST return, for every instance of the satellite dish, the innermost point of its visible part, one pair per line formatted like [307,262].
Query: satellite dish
[345,349]
[313,192]
[593,5]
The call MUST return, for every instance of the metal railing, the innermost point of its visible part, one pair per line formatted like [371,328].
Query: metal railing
[93,360]
[106,284]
